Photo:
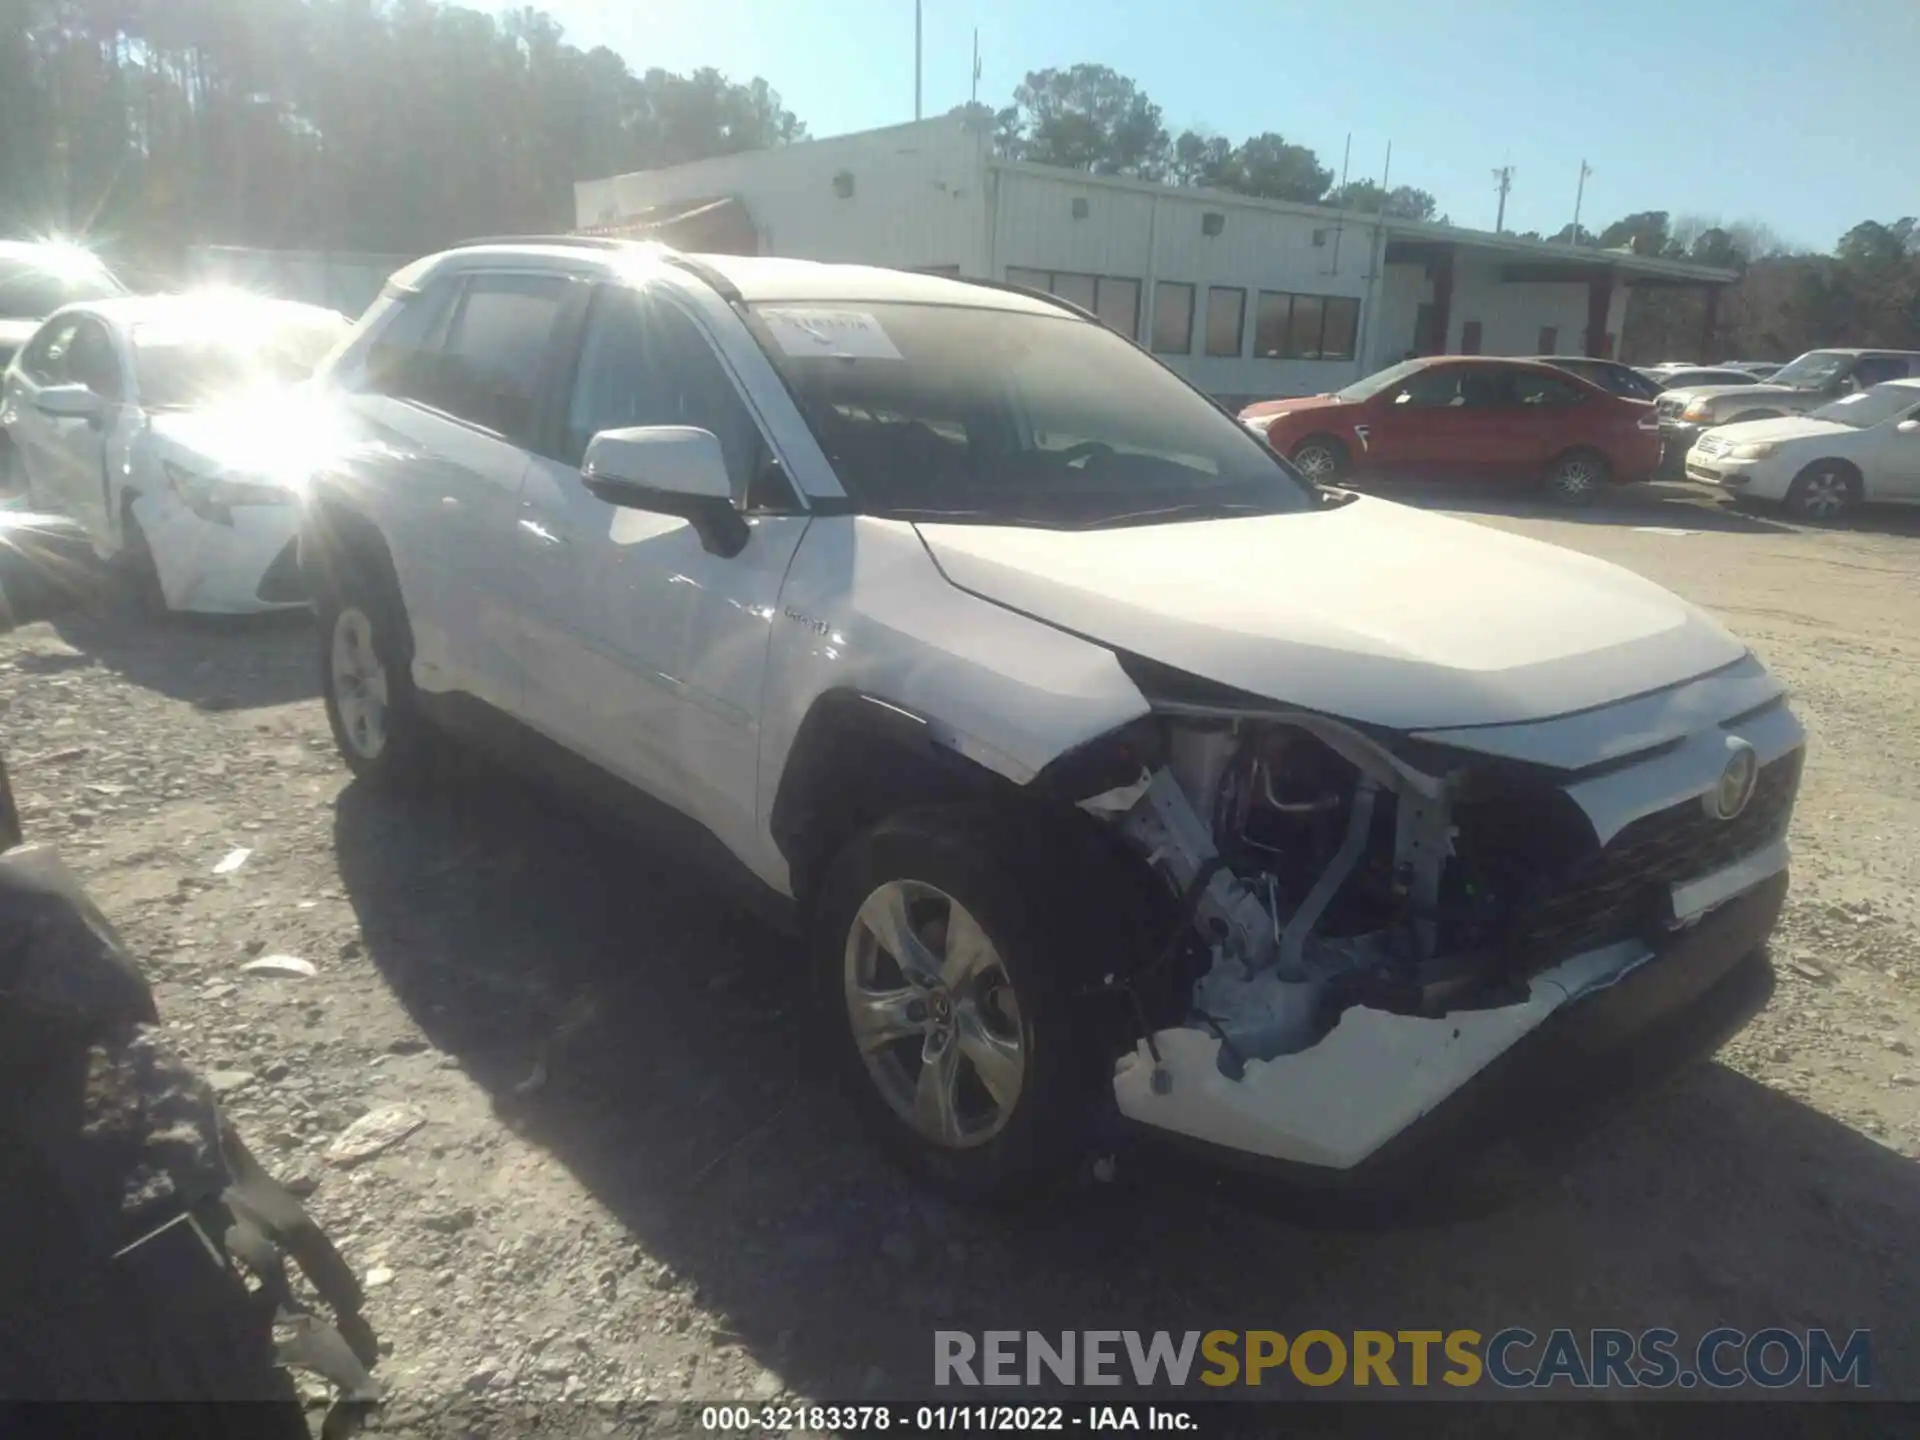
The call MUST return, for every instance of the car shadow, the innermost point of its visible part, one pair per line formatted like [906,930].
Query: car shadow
[677,1076]
[214,662]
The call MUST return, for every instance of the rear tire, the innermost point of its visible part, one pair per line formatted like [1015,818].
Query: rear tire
[366,680]
[1321,459]
[980,1013]
[1577,477]
[1824,492]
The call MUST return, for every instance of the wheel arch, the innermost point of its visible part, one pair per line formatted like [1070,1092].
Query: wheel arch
[1835,462]
[855,759]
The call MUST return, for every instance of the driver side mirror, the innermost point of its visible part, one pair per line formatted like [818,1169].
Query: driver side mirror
[668,470]
[69,402]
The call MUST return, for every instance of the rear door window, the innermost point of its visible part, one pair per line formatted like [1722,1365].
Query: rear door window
[404,354]
[490,364]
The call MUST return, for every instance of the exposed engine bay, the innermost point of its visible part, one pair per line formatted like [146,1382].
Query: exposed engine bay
[1309,863]
[1320,874]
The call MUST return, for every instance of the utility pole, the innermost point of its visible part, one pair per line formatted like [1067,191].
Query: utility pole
[1579,195]
[1505,176]
[973,96]
[916,59]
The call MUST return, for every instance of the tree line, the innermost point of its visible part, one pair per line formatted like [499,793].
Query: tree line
[398,126]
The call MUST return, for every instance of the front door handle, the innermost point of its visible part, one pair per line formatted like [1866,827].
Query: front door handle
[543,534]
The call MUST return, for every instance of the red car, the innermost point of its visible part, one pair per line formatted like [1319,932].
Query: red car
[1461,416]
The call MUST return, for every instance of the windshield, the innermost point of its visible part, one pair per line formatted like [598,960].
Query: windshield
[937,411]
[32,290]
[181,365]
[1870,407]
[1380,380]
[1813,370]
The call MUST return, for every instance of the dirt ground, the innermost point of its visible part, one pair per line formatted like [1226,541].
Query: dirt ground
[628,1180]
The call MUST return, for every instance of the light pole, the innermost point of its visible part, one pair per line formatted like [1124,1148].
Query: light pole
[1578,195]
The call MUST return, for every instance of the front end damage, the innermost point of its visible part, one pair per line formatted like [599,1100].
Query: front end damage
[1367,927]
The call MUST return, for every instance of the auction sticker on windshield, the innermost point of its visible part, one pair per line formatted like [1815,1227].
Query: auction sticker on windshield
[830,334]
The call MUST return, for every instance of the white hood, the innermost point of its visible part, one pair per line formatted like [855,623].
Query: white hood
[269,437]
[1375,612]
[1781,427]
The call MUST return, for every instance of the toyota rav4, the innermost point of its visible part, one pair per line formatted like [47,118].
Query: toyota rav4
[1118,773]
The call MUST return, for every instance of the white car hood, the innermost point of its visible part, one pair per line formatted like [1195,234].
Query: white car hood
[265,438]
[1783,427]
[1374,612]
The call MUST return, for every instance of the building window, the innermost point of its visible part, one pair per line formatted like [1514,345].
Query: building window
[1115,299]
[1270,325]
[1078,290]
[1305,327]
[1470,338]
[1172,317]
[1343,328]
[1119,307]
[1226,320]
[1549,340]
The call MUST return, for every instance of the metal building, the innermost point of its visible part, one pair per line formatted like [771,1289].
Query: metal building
[1248,298]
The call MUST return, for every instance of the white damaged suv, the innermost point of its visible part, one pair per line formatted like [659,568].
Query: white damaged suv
[1122,778]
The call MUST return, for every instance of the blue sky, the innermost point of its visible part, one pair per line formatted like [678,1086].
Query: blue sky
[1797,114]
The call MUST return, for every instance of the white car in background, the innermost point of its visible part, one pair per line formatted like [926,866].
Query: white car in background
[170,428]
[1862,449]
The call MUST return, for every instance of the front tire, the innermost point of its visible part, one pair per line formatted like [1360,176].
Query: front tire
[1824,492]
[1577,478]
[1321,459]
[947,1002]
[366,678]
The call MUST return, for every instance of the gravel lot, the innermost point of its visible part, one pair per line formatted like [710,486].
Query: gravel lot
[627,1180]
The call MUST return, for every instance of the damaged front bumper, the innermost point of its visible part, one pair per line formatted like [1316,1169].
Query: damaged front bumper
[1386,1096]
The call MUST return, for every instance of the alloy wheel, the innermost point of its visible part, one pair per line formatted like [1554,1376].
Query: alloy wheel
[359,684]
[1576,477]
[1316,462]
[1824,495]
[935,1015]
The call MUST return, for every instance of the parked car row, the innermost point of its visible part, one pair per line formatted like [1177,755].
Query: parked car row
[166,425]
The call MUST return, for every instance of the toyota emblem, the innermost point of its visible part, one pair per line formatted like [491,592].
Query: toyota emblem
[1735,787]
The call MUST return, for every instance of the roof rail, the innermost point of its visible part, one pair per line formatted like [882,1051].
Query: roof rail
[588,242]
[1010,288]
[704,272]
